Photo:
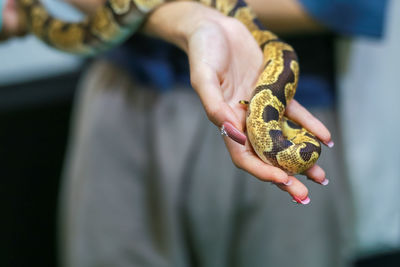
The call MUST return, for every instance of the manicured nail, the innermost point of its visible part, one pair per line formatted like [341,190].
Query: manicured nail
[298,200]
[229,130]
[306,201]
[325,182]
[330,144]
[289,182]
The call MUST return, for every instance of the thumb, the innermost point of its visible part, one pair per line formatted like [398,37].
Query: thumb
[218,111]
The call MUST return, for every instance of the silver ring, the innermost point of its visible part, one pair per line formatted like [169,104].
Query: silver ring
[223,131]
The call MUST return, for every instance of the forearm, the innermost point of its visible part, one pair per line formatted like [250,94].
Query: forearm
[176,21]
[280,16]
[172,21]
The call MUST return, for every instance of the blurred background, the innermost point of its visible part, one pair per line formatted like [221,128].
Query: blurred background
[36,91]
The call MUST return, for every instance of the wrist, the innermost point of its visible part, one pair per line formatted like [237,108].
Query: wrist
[175,22]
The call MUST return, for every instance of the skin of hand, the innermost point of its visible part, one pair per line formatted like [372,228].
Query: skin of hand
[225,62]
[13,23]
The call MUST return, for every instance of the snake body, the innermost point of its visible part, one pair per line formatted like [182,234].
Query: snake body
[275,139]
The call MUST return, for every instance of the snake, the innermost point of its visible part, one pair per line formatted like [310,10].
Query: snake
[276,139]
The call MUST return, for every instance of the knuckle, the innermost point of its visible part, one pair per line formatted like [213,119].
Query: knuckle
[303,193]
[277,177]
[237,162]
[212,111]
[194,80]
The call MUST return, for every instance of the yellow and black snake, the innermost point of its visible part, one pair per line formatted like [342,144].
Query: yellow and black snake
[276,140]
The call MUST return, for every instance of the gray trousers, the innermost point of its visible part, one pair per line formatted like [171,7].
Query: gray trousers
[149,182]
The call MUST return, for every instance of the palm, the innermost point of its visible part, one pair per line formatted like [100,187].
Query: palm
[233,59]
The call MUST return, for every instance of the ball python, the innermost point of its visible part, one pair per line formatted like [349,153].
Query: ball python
[276,139]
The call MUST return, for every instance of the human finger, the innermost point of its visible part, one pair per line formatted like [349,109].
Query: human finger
[244,158]
[317,174]
[301,115]
[297,190]
[229,130]
[206,84]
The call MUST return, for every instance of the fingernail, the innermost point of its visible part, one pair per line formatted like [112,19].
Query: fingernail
[325,182]
[304,202]
[289,182]
[330,144]
[229,130]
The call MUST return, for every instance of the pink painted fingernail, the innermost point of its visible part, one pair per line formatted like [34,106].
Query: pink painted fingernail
[229,130]
[304,202]
[330,144]
[325,182]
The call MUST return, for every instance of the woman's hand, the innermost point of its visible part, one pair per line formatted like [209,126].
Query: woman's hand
[225,62]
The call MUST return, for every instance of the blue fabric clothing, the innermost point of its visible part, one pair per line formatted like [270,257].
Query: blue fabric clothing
[314,91]
[349,17]
[152,62]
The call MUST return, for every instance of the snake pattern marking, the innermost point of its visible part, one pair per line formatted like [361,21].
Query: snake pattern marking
[275,139]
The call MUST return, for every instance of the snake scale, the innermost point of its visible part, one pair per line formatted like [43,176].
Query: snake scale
[275,139]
